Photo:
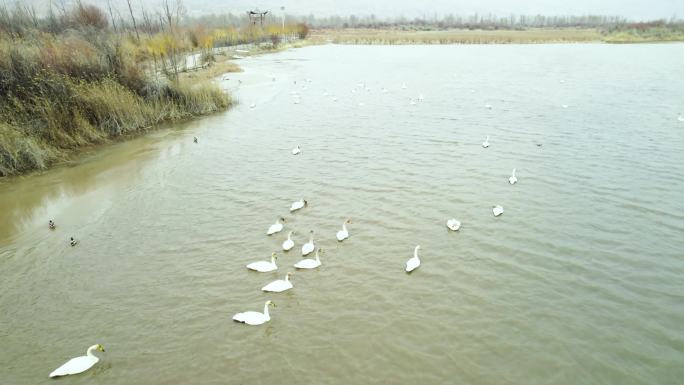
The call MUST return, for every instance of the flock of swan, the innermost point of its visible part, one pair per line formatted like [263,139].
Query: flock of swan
[83,363]
[258,318]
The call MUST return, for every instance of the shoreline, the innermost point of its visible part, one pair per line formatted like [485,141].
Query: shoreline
[398,36]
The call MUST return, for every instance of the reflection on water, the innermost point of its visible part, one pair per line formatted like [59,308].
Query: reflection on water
[579,281]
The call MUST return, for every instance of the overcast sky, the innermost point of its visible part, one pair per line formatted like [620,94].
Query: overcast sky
[632,9]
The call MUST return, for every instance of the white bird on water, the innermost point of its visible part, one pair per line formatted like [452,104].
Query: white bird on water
[254,317]
[420,98]
[296,150]
[453,224]
[343,234]
[403,86]
[488,106]
[414,262]
[308,247]
[513,179]
[497,210]
[279,285]
[264,266]
[485,144]
[79,364]
[310,263]
[276,227]
[680,118]
[252,105]
[289,243]
[298,205]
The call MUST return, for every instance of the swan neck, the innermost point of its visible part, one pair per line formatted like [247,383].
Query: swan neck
[266,310]
[344,227]
[89,352]
[273,260]
[415,252]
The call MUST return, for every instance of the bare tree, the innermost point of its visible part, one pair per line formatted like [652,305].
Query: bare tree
[111,15]
[135,26]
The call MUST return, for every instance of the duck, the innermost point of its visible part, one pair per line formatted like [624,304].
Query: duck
[276,227]
[343,234]
[512,179]
[296,150]
[264,266]
[279,285]
[308,247]
[453,224]
[79,364]
[73,242]
[485,144]
[298,205]
[194,139]
[51,224]
[289,243]
[255,318]
[414,262]
[497,210]
[310,263]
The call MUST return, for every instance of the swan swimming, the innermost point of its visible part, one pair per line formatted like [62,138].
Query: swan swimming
[485,144]
[308,247]
[414,262]
[453,224]
[264,266]
[255,318]
[343,234]
[279,285]
[298,205]
[497,210]
[252,105]
[79,364]
[680,118]
[512,179]
[296,150]
[276,227]
[289,243]
[310,263]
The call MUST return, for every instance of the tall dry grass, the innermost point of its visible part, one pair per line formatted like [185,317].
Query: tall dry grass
[80,86]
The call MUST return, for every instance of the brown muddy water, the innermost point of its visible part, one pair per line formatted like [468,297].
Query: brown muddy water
[580,281]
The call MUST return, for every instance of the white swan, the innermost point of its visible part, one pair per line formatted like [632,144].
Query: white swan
[680,118]
[279,285]
[252,105]
[565,106]
[488,106]
[512,179]
[309,246]
[289,243]
[310,263]
[414,262]
[403,86]
[343,234]
[485,144]
[254,317]
[264,266]
[453,224]
[296,150]
[276,227]
[497,210]
[298,205]
[78,364]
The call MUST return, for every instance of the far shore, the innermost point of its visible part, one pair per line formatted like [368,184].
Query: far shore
[398,36]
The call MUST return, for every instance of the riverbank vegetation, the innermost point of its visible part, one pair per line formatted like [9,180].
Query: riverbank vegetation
[81,76]
[490,29]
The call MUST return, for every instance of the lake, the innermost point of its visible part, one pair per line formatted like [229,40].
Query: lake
[580,281]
